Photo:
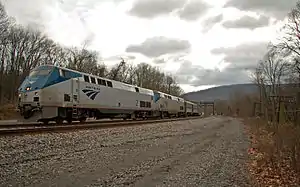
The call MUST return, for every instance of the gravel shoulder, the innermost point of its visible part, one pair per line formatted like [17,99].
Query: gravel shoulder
[202,152]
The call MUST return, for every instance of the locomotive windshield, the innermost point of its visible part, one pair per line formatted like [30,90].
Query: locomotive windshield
[36,73]
[40,71]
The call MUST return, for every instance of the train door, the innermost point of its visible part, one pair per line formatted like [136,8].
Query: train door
[75,91]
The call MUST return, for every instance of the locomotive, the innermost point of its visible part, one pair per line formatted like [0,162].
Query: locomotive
[52,93]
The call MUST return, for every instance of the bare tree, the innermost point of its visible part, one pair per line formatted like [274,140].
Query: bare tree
[117,72]
[289,45]
[85,61]
[269,76]
[5,22]
[272,70]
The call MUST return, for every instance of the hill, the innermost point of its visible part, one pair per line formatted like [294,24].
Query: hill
[221,92]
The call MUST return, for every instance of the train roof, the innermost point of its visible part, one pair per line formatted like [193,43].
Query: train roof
[190,102]
[172,96]
[117,84]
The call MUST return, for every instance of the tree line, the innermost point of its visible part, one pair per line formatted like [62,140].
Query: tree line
[281,64]
[278,77]
[23,48]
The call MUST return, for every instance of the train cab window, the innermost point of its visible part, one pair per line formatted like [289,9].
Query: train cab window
[65,73]
[68,74]
[101,82]
[86,78]
[109,84]
[67,97]
[137,89]
[93,80]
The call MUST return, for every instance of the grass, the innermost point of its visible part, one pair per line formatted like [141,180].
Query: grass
[8,112]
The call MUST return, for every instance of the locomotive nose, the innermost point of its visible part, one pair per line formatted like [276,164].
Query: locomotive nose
[29,102]
[29,97]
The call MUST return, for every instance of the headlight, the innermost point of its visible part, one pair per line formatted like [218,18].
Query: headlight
[28,88]
[36,93]
[19,95]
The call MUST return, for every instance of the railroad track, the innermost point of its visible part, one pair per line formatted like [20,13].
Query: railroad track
[19,129]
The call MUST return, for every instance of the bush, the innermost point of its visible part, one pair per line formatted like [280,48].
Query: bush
[7,112]
[275,153]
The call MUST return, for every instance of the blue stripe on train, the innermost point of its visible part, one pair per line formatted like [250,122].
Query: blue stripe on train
[43,81]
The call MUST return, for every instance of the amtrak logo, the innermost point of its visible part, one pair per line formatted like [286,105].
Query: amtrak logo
[91,93]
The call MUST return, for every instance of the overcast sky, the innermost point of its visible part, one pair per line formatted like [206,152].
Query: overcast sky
[203,42]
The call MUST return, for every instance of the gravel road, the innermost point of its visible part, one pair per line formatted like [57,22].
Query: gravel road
[203,152]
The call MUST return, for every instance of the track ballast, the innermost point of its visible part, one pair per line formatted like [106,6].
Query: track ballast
[20,129]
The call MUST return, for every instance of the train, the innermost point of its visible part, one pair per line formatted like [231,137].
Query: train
[53,93]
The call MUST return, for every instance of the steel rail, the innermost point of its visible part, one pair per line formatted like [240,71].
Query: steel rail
[19,130]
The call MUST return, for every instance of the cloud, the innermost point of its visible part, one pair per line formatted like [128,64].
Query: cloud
[28,12]
[248,22]
[39,14]
[154,8]
[243,56]
[120,57]
[198,76]
[157,46]
[159,61]
[193,10]
[275,8]
[180,57]
[171,58]
[210,22]
[240,60]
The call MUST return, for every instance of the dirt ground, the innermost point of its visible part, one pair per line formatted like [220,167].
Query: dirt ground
[202,152]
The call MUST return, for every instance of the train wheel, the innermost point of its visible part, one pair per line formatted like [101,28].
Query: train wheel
[28,114]
[69,121]
[133,117]
[59,121]
[161,115]
[82,120]
[45,121]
